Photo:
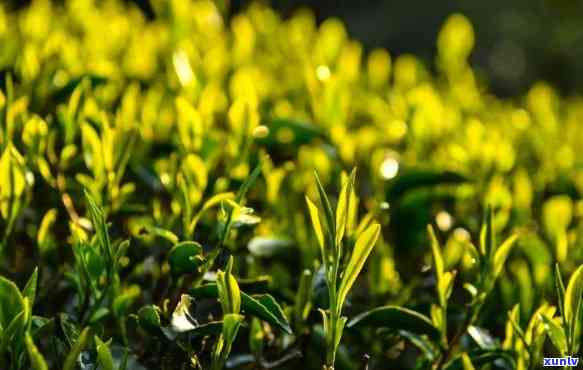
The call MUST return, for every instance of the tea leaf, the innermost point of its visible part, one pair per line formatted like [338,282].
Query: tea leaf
[249,305]
[31,287]
[573,295]
[103,354]
[149,319]
[329,215]
[37,360]
[396,318]
[364,245]
[317,225]
[80,345]
[467,363]
[185,257]
[501,254]
[11,302]
[342,210]
[228,290]
[556,333]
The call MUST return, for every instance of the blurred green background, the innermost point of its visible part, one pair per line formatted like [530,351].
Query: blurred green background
[518,42]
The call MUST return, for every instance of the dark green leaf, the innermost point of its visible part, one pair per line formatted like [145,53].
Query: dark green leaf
[31,287]
[11,302]
[80,345]
[149,319]
[249,305]
[37,361]
[396,318]
[415,179]
[185,257]
[103,354]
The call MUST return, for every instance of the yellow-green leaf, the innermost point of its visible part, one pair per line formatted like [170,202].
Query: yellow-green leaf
[103,354]
[437,256]
[82,342]
[556,333]
[502,254]
[343,207]
[229,293]
[317,225]
[573,296]
[362,248]
[12,181]
[467,363]
[37,361]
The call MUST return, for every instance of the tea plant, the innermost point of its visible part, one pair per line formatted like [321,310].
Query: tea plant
[332,248]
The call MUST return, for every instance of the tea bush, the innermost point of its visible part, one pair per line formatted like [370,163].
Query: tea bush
[208,190]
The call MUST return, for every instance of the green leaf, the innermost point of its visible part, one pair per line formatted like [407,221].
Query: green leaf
[210,203]
[317,225]
[436,250]
[80,345]
[256,337]
[92,149]
[13,180]
[444,279]
[185,257]
[103,354]
[12,334]
[267,301]
[37,360]
[98,218]
[162,233]
[11,302]
[396,318]
[467,363]
[31,287]
[573,295]
[446,285]
[343,207]
[573,303]
[249,305]
[487,235]
[248,183]
[560,287]
[340,324]
[231,324]
[303,297]
[422,343]
[557,214]
[329,215]
[318,343]
[228,289]
[480,358]
[364,245]
[47,222]
[502,254]
[556,333]
[149,319]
